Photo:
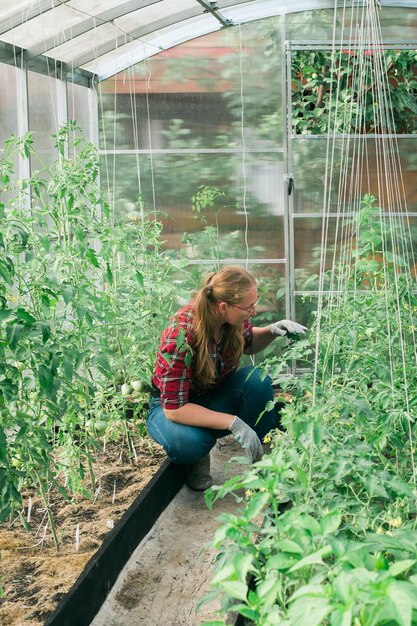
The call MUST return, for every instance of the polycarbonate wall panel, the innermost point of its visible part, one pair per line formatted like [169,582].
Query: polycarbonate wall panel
[45,116]
[352,171]
[397,24]
[247,203]
[9,101]
[203,94]
[81,108]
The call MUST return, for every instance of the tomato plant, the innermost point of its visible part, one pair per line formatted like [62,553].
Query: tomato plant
[326,526]
[82,304]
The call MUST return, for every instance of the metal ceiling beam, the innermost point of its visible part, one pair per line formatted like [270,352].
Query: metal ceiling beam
[211,7]
[12,55]
[19,17]
[88,24]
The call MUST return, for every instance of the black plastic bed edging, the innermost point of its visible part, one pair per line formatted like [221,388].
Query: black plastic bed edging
[83,601]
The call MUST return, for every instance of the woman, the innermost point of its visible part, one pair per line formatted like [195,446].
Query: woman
[198,394]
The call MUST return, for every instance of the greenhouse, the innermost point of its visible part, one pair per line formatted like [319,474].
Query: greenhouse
[208,312]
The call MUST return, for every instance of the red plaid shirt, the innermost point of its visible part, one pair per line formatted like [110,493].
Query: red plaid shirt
[173,373]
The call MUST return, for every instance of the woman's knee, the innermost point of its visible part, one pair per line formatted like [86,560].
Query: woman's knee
[190,447]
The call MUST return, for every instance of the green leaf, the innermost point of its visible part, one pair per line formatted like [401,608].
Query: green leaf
[25,316]
[5,272]
[44,241]
[139,278]
[46,379]
[401,566]
[330,523]
[312,559]
[5,313]
[109,274]
[68,293]
[91,254]
[9,389]
[268,589]
[341,617]
[14,332]
[45,331]
[308,590]
[316,608]
[302,476]
[3,445]
[256,504]
[286,545]
[235,589]
[402,606]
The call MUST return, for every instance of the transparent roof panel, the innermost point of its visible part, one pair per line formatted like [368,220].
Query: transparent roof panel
[42,27]
[151,44]
[154,13]
[95,37]
[89,42]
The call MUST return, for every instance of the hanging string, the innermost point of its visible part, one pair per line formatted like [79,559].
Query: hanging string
[242,135]
[369,75]
[147,88]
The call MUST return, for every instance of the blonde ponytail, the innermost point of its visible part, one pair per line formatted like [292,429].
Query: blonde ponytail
[230,285]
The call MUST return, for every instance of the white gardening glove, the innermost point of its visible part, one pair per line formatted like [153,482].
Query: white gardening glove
[248,439]
[284,327]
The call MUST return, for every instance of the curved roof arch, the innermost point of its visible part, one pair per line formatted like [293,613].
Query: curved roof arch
[94,39]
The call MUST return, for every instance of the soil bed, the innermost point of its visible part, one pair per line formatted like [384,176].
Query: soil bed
[36,576]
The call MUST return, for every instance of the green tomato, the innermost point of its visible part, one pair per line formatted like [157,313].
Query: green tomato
[100,426]
[126,389]
[17,463]
[137,385]
[89,426]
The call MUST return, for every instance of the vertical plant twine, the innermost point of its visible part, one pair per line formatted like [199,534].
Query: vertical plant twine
[369,74]
[242,135]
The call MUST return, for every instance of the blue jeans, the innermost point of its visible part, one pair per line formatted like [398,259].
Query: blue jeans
[237,395]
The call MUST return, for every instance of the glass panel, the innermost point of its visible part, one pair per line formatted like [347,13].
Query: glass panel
[308,246]
[169,183]
[80,108]
[190,96]
[9,101]
[363,159]
[348,91]
[43,116]
[397,23]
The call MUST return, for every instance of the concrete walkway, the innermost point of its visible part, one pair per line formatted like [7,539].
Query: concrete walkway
[171,569]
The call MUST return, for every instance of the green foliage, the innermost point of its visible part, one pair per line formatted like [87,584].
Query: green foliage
[328,84]
[83,302]
[326,522]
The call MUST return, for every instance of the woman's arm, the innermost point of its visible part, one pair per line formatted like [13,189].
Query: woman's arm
[196,415]
[261,338]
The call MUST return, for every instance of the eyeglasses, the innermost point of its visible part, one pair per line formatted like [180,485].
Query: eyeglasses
[249,310]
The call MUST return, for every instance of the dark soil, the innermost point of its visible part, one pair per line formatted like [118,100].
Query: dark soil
[35,576]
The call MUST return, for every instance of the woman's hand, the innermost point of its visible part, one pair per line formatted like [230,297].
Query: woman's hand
[284,327]
[248,439]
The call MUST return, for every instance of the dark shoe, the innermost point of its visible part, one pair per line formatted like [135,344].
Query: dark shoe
[198,475]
